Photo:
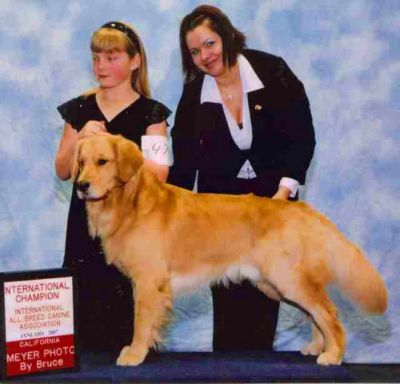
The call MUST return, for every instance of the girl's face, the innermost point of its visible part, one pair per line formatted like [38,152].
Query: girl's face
[206,49]
[114,68]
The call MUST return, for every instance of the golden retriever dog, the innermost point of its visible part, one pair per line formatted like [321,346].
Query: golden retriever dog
[166,239]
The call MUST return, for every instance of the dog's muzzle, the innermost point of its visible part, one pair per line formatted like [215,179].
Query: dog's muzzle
[84,193]
[83,186]
[82,189]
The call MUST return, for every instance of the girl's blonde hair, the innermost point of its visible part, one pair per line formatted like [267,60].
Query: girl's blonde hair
[124,38]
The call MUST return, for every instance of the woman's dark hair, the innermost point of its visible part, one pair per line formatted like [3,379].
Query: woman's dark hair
[233,41]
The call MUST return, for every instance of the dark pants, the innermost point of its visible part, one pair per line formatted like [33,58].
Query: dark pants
[244,318]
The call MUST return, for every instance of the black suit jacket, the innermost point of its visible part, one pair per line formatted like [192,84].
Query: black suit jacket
[283,133]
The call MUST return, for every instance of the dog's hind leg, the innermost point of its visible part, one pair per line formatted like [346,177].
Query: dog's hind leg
[316,346]
[152,302]
[269,290]
[315,301]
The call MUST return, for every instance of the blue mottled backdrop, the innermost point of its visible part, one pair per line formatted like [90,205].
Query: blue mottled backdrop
[345,51]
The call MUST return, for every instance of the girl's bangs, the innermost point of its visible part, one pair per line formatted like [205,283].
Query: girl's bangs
[108,41]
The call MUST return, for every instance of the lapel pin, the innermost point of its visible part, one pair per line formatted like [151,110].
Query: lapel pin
[257,107]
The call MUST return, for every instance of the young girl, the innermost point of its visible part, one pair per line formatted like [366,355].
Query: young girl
[121,105]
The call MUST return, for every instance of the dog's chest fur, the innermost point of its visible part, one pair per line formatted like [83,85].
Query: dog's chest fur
[101,221]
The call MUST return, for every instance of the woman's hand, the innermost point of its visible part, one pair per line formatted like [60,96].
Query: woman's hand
[282,193]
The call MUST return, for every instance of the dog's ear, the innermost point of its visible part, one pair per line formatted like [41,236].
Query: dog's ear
[75,161]
[129,158]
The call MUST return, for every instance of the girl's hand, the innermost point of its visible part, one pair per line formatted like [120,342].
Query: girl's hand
[67,145]
[92,127]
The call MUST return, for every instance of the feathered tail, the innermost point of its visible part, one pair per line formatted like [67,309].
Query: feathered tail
[354,274]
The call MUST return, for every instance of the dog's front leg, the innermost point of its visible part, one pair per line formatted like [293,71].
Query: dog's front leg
[152,300]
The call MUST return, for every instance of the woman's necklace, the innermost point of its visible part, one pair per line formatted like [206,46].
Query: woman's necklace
[230,86]
[227,96]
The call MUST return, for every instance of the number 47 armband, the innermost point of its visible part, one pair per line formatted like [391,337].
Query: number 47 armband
[157,148]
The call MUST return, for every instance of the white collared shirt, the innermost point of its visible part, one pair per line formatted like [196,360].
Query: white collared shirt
[243,137]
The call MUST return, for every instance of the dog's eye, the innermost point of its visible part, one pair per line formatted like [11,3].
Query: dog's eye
[102,162]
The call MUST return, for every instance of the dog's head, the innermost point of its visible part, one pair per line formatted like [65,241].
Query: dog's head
[103,162]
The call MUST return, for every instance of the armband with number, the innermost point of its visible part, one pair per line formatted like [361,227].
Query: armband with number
[157,149]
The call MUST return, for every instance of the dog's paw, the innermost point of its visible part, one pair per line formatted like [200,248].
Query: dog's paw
[327,358]
[314,348]
[131,356]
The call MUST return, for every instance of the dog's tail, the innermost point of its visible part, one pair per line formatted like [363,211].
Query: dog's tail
[354,274]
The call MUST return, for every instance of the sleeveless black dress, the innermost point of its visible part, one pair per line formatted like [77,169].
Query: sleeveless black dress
[105,302]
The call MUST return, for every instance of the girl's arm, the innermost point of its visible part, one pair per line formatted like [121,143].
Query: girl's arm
[65,151]
[67,145]
[161,171]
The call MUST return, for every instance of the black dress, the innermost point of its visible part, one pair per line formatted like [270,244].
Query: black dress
[105,302]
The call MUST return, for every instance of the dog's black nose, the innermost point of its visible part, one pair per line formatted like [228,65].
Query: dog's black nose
[83,186]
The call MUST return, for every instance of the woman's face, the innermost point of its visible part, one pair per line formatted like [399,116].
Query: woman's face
[205,47]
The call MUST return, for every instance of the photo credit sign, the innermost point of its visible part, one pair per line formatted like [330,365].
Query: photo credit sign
[38,324]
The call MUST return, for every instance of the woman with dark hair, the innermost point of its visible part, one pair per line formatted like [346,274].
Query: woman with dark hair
[244,124]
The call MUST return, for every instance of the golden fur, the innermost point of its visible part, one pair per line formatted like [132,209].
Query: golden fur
[166,239]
